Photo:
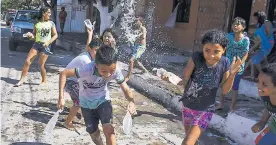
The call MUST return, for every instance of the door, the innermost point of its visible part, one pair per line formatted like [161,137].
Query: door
[243,10]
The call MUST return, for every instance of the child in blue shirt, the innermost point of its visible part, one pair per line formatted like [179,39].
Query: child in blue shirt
[238,46]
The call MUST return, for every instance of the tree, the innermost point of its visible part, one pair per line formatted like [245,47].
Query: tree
[19,5]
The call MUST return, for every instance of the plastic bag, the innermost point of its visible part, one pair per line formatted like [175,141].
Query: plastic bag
[52,123]
[127,123]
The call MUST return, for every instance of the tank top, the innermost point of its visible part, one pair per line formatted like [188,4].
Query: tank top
[44,31]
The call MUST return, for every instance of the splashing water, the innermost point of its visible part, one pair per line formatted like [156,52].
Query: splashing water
[128,20]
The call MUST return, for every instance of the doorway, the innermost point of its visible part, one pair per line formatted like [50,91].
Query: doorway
[243,10]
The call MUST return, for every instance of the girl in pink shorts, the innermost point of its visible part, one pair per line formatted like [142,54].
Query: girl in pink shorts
[203,74]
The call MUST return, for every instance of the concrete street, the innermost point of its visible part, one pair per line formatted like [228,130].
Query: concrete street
[26,110]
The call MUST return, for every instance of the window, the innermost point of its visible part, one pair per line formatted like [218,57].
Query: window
[183,12]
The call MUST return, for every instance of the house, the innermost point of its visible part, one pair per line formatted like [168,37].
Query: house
[194,17]
[77,12]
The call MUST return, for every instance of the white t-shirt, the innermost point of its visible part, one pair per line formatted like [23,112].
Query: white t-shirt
[79,61]
[93,88]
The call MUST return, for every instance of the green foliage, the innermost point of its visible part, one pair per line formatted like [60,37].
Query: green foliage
[19,5]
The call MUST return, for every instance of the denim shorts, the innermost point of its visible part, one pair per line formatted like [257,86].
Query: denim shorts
[92,117]
[41,49]
[137,51]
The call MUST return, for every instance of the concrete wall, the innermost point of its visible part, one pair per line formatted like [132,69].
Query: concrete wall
[182,35]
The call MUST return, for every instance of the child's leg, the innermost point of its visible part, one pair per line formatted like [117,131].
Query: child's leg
[130,68]
[73,112]
[193,135]
[194,123]
[235,89]
[91,119]
[141,66]
[221,102]
[105,115]
[72,87]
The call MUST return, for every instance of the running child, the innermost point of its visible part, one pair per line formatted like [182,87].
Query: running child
[238,45]
[139,48]
[94,94]
[267,91]
[72,85]
[203,74]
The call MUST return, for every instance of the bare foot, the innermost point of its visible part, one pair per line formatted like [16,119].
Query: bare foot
[232,110]
[219,106]
[18,84]
[69,126]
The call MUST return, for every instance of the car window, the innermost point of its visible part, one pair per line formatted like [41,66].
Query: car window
[26,16]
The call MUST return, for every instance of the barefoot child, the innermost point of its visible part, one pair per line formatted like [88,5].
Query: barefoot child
[94,95]
[238,45]
[203,75]
[72,86]
[139,49]
[267,91]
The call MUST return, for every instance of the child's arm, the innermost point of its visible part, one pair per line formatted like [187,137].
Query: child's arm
[229,76]
[256,44]
[129,97]
[267,28]
[261,124]
[247,49]
[188,70]
[89,38]
[62,81]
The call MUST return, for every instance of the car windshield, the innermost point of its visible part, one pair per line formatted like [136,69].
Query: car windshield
[26,16]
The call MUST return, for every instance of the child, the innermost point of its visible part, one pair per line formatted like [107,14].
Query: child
[109,38]
[203,75]
[72,86]
[139,49]
[238,45]
[267,91]
[94,95]
[264,38]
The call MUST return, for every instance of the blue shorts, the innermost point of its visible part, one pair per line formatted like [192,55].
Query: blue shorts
[236,83]
[41,49]
[137,51]
[266,137]
[261,54]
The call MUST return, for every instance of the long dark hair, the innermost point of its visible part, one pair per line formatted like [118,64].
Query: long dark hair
[261,17]
[41,12]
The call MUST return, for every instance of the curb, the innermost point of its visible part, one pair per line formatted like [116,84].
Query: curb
[75,47]
[236,127]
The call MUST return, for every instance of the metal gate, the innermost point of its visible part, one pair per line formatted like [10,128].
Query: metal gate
[212,14]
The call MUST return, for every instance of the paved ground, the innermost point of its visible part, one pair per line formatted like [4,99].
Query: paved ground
[26,110]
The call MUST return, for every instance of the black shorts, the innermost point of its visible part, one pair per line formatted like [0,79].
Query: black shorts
[40,48]
[92,116]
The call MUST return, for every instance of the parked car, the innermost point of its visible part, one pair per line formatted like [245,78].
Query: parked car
[23,22]
[9,17]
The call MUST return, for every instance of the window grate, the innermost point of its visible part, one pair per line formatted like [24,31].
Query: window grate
[183,12]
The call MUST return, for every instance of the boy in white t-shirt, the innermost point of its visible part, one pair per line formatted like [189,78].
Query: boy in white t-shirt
[72,86]
[94,94]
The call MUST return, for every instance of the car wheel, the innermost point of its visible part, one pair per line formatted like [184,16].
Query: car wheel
[12,45]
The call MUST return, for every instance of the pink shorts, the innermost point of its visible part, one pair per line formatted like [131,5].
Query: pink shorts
[196,118]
